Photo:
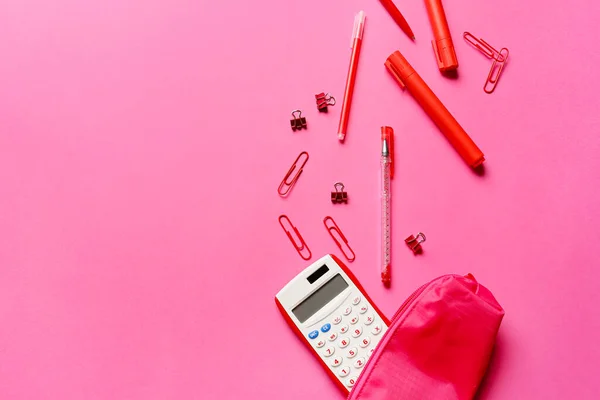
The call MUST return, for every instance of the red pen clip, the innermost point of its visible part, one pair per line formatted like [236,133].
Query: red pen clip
[285,186]
[336,228]
[299,247]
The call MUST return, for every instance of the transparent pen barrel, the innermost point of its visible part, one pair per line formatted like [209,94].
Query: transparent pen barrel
[385,212]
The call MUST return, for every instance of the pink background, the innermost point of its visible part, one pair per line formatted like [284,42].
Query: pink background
[142,142]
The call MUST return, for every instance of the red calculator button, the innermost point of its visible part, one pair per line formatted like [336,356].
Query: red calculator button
[356,332]
[356,300]
[344,342]
[329,351]
[359,363]
[337,320]
[332,336]
[376,329]
[336,362]
[347,310]
[369,320]
[351,381]
[363,309]
[351,353]
[354,320]
[364,342]
[344,371]
[344,328]
[320,343]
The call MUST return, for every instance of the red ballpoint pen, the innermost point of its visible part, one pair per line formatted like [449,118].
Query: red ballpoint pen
[397,16]
[357,34]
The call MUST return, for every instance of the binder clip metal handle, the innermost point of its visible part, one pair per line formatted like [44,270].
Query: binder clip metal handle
[297,122]
[339,196]
[414,242]
[324,100]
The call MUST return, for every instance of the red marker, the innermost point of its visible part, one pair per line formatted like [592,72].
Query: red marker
[397,16]
[357,34]
[407,77]
[442,45]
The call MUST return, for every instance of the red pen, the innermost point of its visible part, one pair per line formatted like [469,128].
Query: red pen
[357,34]
[442,45]
[397,16]
[408,78]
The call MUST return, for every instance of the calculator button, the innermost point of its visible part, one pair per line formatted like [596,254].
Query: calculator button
[354,319]
[369,320]
[320,343]
[351,353]
[329,351]
[359,363]
[344,342]
[344,328]
[376,329]
[336,362]
[356,300]
[351,381]
[337,320]
[364,342]
[325,328]
[313,334]
[363,309]
[332,336]
[347,310]
[344,371]
[356,332]
[371,351]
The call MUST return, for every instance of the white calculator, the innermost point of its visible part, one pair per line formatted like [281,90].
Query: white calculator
[329,310]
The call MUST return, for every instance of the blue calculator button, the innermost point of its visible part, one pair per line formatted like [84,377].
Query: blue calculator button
[325,328]
[313,334]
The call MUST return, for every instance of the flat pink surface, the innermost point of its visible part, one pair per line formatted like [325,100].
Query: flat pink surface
[142,142]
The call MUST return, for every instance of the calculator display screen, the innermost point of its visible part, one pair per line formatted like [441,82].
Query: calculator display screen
[319,298]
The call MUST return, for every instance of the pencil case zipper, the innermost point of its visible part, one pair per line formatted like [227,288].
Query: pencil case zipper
[372,361]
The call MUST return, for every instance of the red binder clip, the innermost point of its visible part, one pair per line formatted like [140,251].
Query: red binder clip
[324,100]
[297,122]
[339,196]
[286,185]
[301,247]
[414,243]
[337,229]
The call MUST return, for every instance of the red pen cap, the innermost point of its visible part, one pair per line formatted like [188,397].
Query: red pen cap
[442,45]
[387,133]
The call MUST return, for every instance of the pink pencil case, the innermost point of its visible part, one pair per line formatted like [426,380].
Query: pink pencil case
[438,345]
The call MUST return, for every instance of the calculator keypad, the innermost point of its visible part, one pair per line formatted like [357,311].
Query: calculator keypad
[355,334]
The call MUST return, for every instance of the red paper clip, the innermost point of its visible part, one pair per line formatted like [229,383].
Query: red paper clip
[299,247]
[414,243]
[484,47]
[337,229]
[495,71]
[287,185]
